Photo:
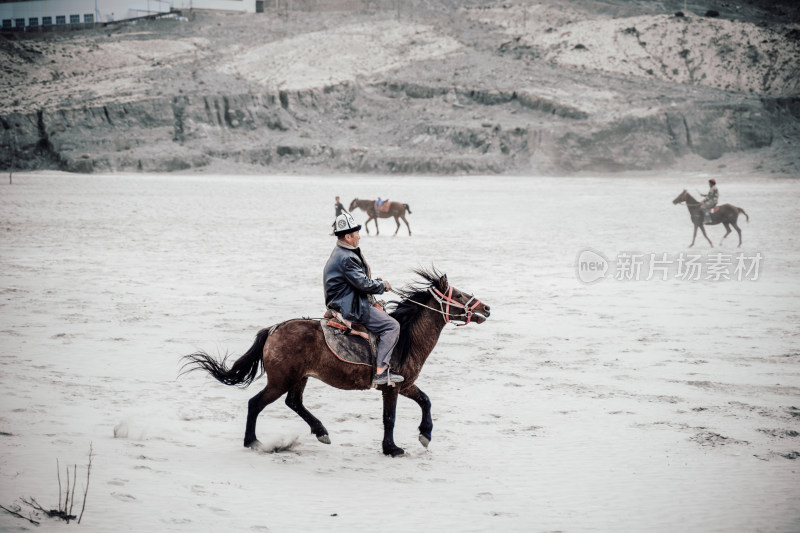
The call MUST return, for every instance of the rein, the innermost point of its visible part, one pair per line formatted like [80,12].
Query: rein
[446,300]
[691,205]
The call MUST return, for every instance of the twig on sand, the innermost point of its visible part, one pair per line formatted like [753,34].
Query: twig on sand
[65,507]
[52,513]
[6,509]
[86,490]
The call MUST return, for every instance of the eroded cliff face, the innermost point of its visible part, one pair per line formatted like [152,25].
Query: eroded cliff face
[331,129]
[449,102]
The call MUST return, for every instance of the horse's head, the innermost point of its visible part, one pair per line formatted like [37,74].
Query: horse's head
[455,304]
[353,204]
[680,198]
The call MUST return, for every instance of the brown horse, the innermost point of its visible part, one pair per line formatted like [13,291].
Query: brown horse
[726,214]
[289,352]
[396,210]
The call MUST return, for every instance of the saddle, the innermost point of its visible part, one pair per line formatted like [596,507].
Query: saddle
[383,208]
[706,214]
[350,343]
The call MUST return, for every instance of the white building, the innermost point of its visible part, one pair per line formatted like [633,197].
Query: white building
[31,15]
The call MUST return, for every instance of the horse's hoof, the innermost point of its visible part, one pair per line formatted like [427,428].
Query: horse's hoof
[255,445]
[424,440]
[324,439]
[394,451]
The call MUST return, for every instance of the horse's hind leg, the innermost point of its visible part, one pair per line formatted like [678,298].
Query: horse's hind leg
[294,399]
[739,231]
[426,426]
[703,229]
[257,404]
[727,232]
[398,225]
[406,221]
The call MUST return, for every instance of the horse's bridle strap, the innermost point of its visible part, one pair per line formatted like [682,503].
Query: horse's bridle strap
[445,301]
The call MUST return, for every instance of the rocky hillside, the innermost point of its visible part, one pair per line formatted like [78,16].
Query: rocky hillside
[433,87]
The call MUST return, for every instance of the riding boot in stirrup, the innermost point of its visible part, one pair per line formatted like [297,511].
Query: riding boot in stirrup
[386,378]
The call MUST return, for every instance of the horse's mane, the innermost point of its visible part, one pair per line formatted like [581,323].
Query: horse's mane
[406,311]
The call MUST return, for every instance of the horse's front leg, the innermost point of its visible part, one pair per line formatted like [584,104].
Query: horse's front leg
[389,410]
[294,399]
[694,236]
[377,231]
[426,426]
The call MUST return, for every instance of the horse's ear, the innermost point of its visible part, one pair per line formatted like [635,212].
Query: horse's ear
[443,283]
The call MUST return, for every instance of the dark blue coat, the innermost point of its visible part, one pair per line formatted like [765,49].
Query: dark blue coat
[347,284]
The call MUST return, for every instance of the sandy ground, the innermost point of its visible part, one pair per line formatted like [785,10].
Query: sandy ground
[638,405]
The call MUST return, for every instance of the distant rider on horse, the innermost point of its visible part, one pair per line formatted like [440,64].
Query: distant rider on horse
[349,290]
[711,199]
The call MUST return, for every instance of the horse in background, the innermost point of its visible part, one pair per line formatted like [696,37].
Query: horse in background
[395,209]
[726,214]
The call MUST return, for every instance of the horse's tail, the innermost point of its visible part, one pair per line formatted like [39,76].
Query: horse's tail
[407,208]
[242,372]
[745,214]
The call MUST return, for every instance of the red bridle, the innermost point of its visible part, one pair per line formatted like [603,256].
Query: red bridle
[446,300]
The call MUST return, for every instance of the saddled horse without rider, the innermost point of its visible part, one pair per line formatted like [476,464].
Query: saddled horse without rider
[292,351]
[394,209]
[726,214]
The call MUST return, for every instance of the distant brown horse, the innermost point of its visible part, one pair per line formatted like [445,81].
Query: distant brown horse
[289,352]
[396,210]
[726,214]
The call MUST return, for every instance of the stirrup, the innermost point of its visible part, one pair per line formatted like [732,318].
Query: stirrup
[387,378]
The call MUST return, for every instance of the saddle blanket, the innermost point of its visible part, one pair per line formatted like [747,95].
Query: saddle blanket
[348,348]
[383,208]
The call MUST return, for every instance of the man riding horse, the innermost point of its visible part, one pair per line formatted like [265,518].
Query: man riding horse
[349,290]
[710,201]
